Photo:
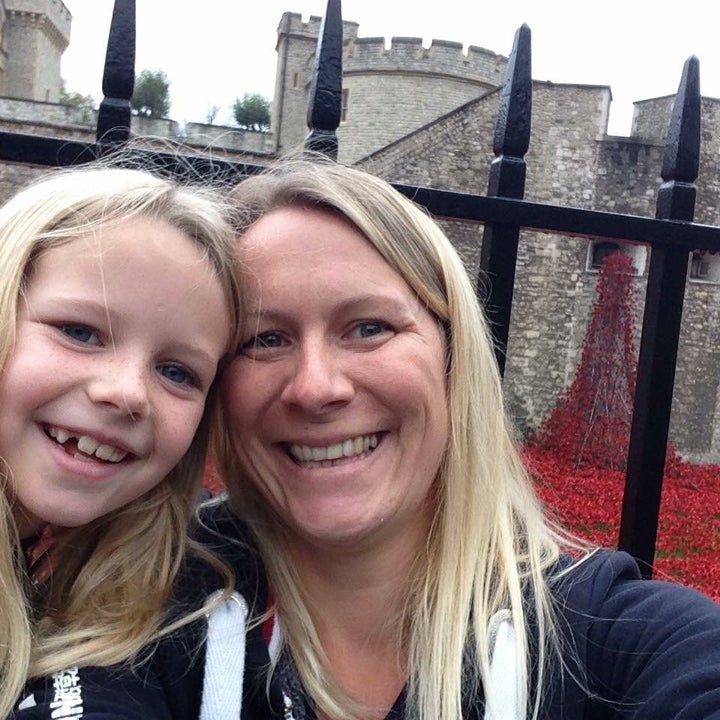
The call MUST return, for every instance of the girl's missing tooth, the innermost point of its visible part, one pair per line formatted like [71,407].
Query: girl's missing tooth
[117,305]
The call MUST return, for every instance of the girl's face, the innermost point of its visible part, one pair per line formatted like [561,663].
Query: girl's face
[118,340]
[337,398]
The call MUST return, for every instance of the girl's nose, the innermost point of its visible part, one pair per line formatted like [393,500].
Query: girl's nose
[122,384]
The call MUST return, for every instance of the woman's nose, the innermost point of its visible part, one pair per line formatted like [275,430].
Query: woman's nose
[318,381]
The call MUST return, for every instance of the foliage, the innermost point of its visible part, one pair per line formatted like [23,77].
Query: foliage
[252,112]
[590,425]
[76,99]
[152,94]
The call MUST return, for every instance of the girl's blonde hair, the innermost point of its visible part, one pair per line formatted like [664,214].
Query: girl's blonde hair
[112,577]
[489,545]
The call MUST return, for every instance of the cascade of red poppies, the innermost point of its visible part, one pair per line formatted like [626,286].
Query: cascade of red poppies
[590,424]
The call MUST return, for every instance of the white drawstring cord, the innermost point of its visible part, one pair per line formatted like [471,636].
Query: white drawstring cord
[224,659]
[503,669]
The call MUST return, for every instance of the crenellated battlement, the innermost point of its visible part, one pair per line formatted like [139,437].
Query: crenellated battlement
[292,24]
[53,12]
[381,79]
[409,55]
[403,54]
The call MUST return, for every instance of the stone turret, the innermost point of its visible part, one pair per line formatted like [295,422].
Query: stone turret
[35,35]
[381,84]
[296,45]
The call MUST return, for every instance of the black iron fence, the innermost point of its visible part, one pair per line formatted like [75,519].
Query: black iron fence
[671,235]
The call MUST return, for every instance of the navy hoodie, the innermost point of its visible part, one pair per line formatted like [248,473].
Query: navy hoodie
[635,650]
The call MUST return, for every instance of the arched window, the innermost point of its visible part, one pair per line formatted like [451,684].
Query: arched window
[344,105]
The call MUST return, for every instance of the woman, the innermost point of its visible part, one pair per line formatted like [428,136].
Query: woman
[413,572]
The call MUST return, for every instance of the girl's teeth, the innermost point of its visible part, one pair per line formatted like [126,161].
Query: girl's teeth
[59,434]
[88,446]
[107,452]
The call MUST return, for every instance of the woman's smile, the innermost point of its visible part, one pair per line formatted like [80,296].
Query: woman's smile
[326,456]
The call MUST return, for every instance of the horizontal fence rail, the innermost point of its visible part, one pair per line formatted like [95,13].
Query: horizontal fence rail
[502,211]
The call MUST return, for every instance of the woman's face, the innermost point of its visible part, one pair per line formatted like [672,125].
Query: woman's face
[337,397]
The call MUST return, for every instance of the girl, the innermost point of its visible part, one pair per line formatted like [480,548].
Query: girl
[117,307]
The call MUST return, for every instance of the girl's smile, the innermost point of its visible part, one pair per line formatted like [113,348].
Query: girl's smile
[118,339]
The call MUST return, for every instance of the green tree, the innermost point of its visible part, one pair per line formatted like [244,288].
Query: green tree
[152,94]
[252,112]
[74,98]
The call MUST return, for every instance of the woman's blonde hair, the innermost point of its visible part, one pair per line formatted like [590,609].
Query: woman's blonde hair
[489,545]
[112,577]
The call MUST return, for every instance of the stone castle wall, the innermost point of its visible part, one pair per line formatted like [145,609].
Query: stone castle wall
[79,123]
[572,161]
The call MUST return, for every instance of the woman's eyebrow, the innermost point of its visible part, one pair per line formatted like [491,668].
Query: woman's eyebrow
[266,311]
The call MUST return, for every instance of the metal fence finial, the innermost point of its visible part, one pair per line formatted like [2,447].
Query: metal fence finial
[118,77]
[324,105]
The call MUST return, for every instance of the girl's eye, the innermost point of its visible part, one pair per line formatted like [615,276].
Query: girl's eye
[369,328]
[263,341]
[177,374]
[80,333]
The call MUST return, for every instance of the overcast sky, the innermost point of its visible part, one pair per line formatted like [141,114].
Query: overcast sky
[216,50]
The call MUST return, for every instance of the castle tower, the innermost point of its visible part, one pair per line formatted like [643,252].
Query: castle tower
[296,45]
[381,85]
[35,35]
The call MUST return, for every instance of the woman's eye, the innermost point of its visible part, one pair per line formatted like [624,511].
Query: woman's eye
[80,333]
[369,328]
[263,341]
[177,374]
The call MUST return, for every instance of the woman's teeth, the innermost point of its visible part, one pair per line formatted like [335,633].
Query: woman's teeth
[349,448]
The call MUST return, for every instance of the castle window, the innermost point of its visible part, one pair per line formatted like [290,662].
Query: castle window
[344,106]
[296,79]
[705,266]
[599,250]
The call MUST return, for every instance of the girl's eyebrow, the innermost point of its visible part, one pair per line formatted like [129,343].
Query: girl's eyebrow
[194,354]
[60,304]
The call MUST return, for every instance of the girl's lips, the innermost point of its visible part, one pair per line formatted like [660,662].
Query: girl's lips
[77,465]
